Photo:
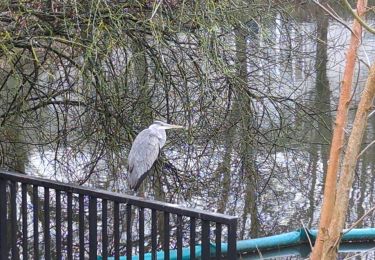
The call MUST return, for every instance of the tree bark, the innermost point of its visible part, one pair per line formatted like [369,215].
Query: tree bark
[349,163]
[338,135]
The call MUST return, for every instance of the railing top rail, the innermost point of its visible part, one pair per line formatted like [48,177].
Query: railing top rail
[121,198]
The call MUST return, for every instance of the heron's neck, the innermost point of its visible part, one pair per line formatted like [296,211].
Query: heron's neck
[160,133]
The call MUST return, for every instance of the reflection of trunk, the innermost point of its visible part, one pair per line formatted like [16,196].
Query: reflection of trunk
[245,133]
[323,90]
[312,169]
[160,196]
[322,104]
[15,158]
[13,154]
[144,106]
[224,168]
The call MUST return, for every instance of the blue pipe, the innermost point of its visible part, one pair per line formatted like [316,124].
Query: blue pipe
[272,242]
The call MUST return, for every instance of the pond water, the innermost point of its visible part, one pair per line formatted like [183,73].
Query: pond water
[289,176]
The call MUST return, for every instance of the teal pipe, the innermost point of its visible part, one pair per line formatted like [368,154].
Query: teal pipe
[172,254]
[272,242]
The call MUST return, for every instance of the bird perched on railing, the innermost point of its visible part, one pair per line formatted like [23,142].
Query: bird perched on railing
[145,150]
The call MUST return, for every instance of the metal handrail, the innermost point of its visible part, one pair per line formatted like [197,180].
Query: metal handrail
[8,215]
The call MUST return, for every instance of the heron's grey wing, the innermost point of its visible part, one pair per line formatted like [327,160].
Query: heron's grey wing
[143,154]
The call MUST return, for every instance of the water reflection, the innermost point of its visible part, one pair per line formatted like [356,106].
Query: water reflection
[290,175]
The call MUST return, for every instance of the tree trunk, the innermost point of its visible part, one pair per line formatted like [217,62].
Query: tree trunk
[349,164]
[338,136]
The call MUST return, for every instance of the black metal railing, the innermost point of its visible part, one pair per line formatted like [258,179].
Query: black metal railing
[43,219]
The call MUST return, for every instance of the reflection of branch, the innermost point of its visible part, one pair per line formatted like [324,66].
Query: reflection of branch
[45,104]
[358,18]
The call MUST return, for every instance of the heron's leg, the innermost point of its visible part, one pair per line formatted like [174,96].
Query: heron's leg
[141,190]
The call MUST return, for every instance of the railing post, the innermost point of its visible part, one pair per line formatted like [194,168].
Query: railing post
[25,250]
[116,229]
[36,221]
[81,226]
[58,224]
[179,237]
[93,228]
[3,219]
[192,237]
[47,235]
[232,240]
[104,229]
[166,236]
[70,226]
[154,242]
[128,232]
[141,233]
[205,239]
[218,241]
[13,220]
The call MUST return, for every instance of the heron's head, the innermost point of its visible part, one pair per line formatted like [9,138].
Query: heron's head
[162,125]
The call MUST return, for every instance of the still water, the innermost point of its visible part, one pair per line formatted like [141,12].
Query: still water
[288,194]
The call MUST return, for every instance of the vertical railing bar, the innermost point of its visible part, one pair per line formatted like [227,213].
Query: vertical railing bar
[24,222]
[93,228]
[58,225]
[104,229]
[205,239]
[166,235]
[47,235]
[232,237]
[179,237]
[129,232]
[154,237]
[3,220]
[70,226]
[13,220]
[218,231]
[35,222]
[192,237]
[141,234]
[116,229]
[81,226]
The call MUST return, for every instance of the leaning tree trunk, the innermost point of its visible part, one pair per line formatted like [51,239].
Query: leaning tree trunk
[349,164]
[338,136]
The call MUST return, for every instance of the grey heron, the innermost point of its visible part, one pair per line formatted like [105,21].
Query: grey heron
[145,150]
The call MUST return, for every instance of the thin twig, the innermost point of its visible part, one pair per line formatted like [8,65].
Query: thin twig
[307,234]
[364,150]
[338,19]
[360,254]
[359,19]
[372,112]
[359,220]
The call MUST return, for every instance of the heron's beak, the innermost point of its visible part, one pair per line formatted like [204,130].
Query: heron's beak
[175,126]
